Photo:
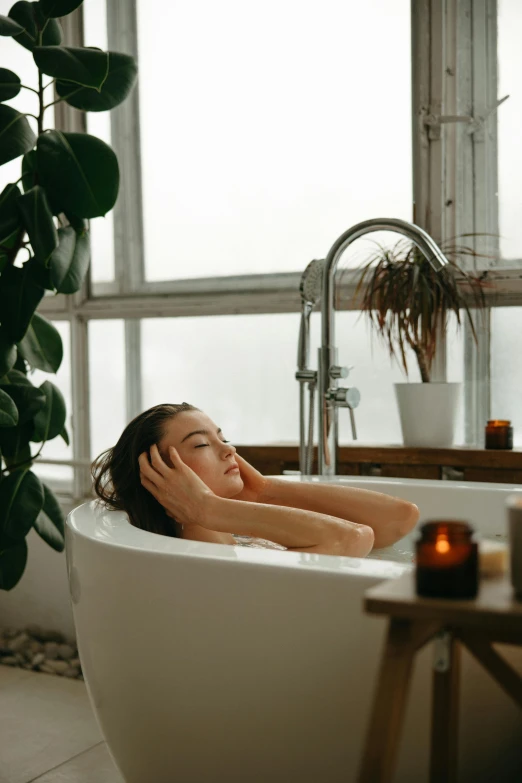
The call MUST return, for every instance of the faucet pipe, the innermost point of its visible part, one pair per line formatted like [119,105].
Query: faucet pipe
[330,398]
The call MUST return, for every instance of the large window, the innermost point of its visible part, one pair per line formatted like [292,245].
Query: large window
[269,128]
[259,132]
[509,124]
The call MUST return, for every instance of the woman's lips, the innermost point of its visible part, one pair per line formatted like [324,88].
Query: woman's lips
[232,469]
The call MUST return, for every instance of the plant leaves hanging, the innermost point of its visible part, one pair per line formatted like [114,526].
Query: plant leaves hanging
[50,420]
[86,67]
[16,136]
[79,171]
[70,260]
[20,295]
[9,26]
[50,522]
[30,17]
[28,400]
[10,84]
[13,559]
[8,353]
[39,223]
[8,411]
[21,500]
[120,80]
[42,345]
[10,218]
[55,8]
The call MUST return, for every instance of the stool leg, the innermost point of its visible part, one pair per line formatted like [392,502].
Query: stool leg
[382,738]
[445,715]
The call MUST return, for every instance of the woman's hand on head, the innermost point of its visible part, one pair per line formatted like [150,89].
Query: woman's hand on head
[178,489]
[254,483]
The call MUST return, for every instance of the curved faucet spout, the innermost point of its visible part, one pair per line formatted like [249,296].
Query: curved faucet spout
[330,396]
[417,235]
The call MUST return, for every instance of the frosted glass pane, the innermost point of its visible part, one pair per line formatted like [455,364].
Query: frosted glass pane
[99,124]
[506,369]
[107,379]
[57,448]
[240,370]
[509,123]
[279,139]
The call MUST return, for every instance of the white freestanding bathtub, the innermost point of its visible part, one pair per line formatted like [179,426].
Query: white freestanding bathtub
[208,663]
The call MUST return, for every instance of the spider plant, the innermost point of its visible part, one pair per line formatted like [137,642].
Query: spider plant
[408,302]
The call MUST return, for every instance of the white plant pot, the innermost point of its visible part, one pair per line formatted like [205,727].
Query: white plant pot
[428,413]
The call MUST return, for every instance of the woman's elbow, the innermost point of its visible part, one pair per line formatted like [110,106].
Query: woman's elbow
[358,541]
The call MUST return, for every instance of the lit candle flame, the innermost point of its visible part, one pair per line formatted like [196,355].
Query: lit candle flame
[442,544]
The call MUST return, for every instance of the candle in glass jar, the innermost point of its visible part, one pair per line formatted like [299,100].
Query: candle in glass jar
[446,560]
[499,434]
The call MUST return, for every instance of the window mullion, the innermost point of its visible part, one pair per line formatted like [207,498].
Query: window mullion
[122,34]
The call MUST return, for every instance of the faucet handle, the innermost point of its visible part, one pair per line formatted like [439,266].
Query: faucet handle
[345,398]
[336,371]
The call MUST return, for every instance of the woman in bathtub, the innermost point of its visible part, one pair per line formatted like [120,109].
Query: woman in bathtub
[174,474]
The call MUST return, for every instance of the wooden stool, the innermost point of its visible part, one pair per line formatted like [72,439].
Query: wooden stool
[494,616]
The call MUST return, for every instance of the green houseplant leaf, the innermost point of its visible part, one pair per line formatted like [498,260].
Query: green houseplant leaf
[42,345]
[28,400]
[38,222]
[79,171]
[29,170]
[20,295]
[21,500]
[70,260]
[9,27]
[49,524]
[16,136]
[30,17]
[8,353]
[13,559]
[10,218]
[120,79]
[10,84]
[55,8]
[14,444]
[8,411]
[86,67]
[50,420]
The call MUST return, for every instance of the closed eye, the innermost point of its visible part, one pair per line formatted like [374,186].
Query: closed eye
[208,444]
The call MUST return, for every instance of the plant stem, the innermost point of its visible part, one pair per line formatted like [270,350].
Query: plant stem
[25,87]
[40,90]
[59,100]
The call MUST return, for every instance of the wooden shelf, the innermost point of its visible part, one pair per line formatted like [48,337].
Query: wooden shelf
[467,463]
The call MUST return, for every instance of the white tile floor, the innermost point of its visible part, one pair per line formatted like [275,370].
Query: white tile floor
[48,732]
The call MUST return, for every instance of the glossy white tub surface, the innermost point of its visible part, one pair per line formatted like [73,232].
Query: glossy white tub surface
[207,663]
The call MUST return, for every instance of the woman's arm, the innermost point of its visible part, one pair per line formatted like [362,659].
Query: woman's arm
[186,498]
[390,518]
[299,530]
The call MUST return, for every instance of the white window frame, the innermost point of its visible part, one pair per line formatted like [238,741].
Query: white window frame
[454,84]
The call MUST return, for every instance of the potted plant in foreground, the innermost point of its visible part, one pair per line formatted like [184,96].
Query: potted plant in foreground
[408,304]
[65,179]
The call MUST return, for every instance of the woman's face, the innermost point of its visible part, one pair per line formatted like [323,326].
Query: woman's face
[206,453]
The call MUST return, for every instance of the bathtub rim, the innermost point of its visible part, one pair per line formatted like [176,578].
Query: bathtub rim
[125,537]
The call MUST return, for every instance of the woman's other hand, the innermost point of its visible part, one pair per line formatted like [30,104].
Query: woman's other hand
[254,483]
[178,489]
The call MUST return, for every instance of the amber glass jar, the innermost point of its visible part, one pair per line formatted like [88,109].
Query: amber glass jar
[446,560]
[499,434]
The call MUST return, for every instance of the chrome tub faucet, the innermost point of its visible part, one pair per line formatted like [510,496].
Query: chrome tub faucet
[331,397]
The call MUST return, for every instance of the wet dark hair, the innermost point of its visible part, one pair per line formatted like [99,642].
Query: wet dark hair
[116,472]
